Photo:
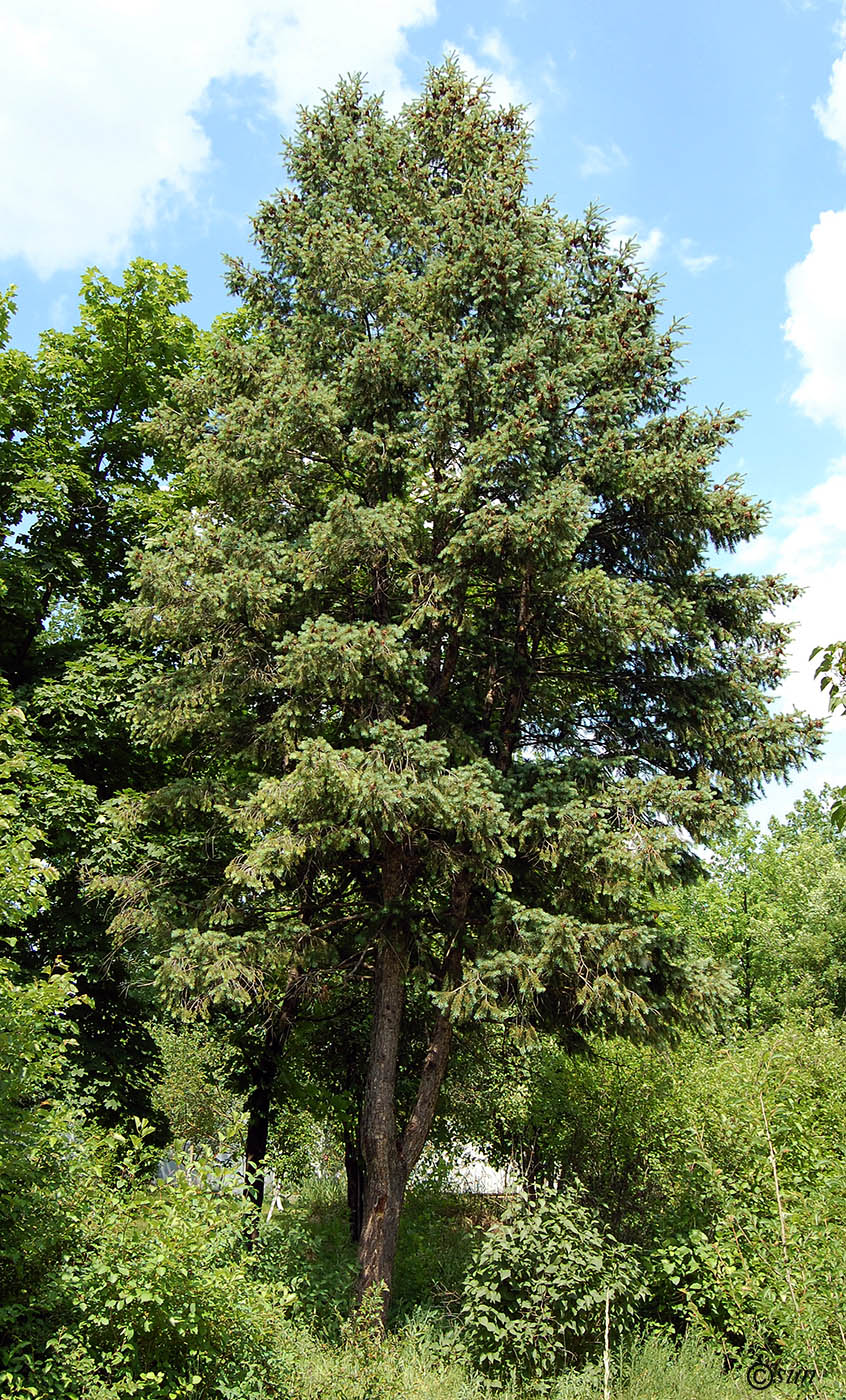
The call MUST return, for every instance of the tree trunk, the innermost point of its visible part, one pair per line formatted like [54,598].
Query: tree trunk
[389,1157]
[260,1096]
[386,1177]
[258,1111]
[356,1180]
[377,1250]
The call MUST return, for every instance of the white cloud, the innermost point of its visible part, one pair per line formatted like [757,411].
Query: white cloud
[816,286]
[694,262]
[806,541]
[101,102]
[831,114]
[494,47]
[602,160]
[816,325]
[499,71]
[649,241]
[549,78]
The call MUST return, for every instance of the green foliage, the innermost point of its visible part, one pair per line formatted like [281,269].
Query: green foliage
[438,1233]
[757,1166]
[136,1288]
[83,716]
[536,1293]
[599,1113]
[306,1251]
[439,640]
[723,1162]
[77,487]
[831,673]
[655,1368]
[41,802]
[774,908]
[35,1031]
[74,468]
[193,1089]
[428,659]
[24,876]
[165,1286]
[111,1285]
[425,519]
[152,1292]
[422,1364]
[37,1138]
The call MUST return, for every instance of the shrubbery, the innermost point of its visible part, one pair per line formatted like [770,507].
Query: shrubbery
[115,1285]
[760,1156]
[536,1293]
[723,1165]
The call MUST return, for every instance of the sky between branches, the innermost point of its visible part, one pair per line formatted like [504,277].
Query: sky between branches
[716,137]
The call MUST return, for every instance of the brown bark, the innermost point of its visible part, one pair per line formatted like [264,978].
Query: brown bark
[386,1177]
[377,1250]
[434,1069]
[390,1157]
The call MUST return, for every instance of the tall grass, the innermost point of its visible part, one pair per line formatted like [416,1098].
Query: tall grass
[423,1362]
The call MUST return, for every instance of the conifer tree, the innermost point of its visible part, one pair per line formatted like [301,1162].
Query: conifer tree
[453,679]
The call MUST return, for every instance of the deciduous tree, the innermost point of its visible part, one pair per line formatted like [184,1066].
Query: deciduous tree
[74,470]
[773,907]
[77,486]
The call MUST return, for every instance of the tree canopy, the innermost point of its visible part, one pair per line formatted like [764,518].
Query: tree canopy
[74,469]
[449,683]
[77,487]
[771,906]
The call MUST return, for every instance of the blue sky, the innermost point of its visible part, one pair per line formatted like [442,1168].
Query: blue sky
[714,132]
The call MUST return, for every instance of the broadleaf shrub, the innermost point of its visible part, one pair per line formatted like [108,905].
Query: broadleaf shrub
[535,1295]
[760,1153]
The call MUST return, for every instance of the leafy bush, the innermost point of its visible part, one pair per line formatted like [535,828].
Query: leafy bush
[760,1152]
[598,1115]
[37,1140]
[683,1149]
[535,1297]
[133,1287]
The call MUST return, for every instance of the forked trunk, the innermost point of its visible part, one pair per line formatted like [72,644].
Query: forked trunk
[390,1157]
